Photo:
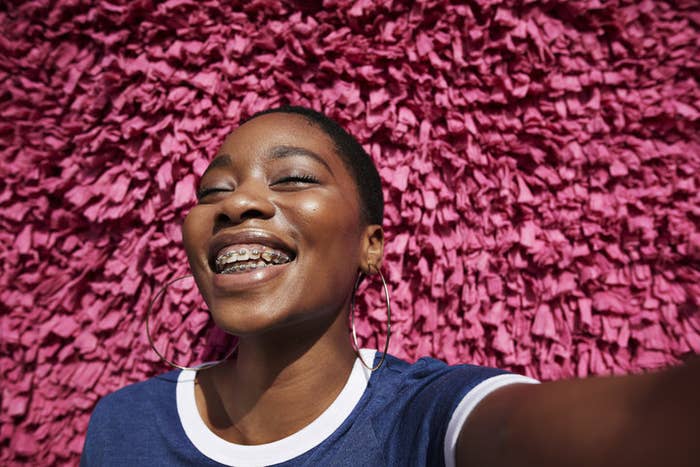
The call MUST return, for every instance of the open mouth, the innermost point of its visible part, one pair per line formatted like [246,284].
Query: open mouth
[240,258]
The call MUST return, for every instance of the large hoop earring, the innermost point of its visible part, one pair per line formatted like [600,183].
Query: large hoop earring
[153,346]
[388,314]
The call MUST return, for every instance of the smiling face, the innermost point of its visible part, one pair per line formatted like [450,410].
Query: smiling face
[276,238]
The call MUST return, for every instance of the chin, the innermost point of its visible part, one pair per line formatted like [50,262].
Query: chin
[251,318]
[241,321]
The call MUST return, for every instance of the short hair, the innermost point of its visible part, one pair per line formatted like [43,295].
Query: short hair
[355,158]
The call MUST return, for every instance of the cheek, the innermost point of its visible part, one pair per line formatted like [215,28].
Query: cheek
[193,230]
[329,228]
[310,211]
[187,226]
[332,212]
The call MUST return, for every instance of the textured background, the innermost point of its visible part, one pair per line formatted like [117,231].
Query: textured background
[540,162]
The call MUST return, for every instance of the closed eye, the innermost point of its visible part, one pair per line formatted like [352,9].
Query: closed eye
[204,192]
[297,179]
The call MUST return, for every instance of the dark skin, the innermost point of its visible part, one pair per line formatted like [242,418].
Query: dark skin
[294,353]
[642,420]
[294,349]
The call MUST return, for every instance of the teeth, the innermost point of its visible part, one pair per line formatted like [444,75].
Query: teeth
[281,258]
[226,258]
[244,267]
[249,258]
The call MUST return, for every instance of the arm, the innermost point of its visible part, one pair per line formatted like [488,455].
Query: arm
[641,420]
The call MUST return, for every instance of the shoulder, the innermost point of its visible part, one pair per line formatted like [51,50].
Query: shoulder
[422,405]
[122,419]
[428,388]
[430,372]
[138,396]
[126,409]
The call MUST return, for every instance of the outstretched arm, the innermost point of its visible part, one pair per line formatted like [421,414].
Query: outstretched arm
[640,420]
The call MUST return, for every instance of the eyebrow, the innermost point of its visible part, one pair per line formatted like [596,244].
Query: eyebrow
[222,160]
[278,152]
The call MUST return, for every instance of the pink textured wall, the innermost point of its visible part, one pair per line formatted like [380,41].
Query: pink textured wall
[540,162]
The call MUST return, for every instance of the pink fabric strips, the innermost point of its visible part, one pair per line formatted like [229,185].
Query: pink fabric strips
[540,162]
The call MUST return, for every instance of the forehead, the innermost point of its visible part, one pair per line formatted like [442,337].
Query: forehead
[260,135]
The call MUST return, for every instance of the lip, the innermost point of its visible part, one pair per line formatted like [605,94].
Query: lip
[227,283]
[261,237]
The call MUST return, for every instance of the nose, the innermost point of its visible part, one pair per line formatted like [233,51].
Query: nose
[248,201]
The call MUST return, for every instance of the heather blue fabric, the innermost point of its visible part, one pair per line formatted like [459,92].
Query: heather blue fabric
[400,420]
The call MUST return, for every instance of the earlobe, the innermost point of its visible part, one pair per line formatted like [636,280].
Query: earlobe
[372,249]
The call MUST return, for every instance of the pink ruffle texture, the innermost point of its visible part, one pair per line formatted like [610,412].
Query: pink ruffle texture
[540,162]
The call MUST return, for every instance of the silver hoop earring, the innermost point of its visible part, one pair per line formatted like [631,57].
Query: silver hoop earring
[153,346]
[388,326]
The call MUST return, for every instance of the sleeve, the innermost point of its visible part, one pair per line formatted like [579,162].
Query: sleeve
[469,401]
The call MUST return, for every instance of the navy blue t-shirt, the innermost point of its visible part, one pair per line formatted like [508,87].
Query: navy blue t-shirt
[403,414]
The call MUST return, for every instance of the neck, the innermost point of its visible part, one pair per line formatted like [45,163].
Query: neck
[277,385]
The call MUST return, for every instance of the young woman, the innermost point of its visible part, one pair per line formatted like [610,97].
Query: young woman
[288,217]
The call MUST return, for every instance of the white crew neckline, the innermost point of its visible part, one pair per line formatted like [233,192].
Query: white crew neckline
[285,449]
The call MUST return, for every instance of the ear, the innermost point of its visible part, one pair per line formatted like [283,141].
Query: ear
[372,249]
